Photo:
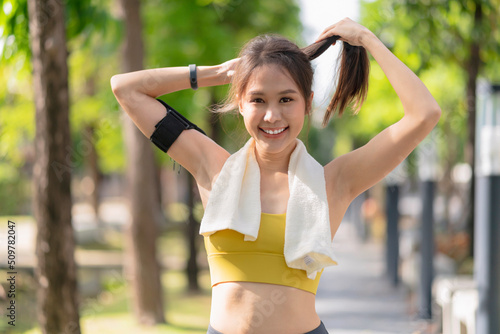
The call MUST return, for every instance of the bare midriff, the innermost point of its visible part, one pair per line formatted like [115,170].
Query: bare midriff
[249,307]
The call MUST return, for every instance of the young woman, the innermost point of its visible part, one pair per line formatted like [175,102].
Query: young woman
[271,88]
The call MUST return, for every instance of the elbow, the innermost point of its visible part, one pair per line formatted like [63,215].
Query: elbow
[117,85]
[430,113]
[427,117]
[431,118]
[434,114]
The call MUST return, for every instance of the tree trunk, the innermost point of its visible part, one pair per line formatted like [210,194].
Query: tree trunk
[192,229]
[473,66]
[143,270]
[57,299]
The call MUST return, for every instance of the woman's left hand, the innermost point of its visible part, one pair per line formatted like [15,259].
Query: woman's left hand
[348,30]
[227,69]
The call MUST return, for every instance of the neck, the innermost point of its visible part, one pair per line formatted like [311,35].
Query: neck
[273,163]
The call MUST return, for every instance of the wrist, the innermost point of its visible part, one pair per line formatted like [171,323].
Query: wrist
[193,76]
[209,76]
[368,39]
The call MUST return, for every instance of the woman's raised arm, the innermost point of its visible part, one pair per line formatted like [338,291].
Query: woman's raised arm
[367,165]
[136,91]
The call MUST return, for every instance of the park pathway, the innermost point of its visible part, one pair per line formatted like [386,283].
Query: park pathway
[355,297]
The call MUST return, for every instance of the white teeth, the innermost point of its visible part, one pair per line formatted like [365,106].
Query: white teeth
[274,132]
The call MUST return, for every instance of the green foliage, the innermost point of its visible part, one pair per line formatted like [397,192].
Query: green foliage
[447,85]
[13,29]
[14,191]
[86,22]
[17,125]
[83,17]
[93,103]
[17,129]
[440,30]
[434,40]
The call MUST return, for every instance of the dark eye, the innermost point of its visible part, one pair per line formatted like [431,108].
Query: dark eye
[257,100]
[286,99]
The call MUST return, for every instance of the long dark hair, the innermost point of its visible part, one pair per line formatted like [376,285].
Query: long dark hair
[272,49]
[352,75]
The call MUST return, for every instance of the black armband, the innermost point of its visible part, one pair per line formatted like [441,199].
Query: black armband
[170,127]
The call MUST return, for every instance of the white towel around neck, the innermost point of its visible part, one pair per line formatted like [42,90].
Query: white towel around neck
[234,203]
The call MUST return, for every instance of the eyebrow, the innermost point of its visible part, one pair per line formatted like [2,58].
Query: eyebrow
[286,91]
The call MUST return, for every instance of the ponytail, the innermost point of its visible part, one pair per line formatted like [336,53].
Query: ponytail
[352,75]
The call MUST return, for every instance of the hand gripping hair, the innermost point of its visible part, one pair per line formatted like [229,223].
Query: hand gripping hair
[352,75]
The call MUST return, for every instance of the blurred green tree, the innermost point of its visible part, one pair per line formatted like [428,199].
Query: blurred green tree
[142,265]
[17,117]
[89,33]
[57,302]
[45,63]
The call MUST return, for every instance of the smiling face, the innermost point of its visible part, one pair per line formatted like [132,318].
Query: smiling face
[273,108]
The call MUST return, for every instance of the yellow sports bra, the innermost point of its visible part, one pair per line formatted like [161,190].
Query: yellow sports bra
[232,259]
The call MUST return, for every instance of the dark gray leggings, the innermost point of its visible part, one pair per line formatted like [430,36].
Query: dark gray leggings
[321,329]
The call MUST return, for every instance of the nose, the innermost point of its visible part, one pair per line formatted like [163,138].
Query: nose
[272,115]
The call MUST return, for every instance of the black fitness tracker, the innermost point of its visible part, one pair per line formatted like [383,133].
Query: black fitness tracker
[192,77]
